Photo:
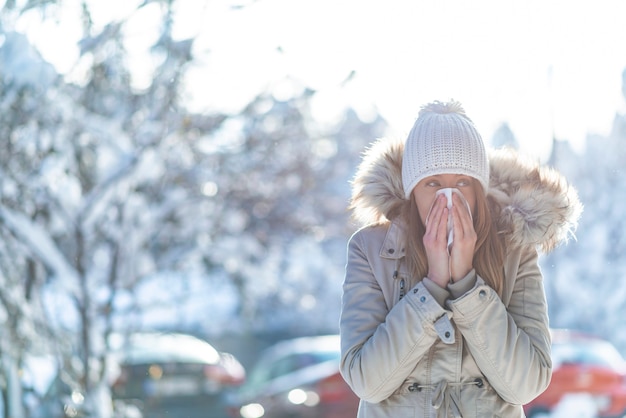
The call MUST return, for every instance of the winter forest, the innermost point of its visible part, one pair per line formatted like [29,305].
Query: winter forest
[123,210]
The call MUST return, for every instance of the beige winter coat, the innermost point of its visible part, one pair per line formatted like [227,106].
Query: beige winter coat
[406,352]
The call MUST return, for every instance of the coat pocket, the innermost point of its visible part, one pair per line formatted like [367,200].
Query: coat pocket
[380,411]
[399,405]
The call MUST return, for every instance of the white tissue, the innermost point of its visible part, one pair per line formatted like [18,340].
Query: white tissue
[448,193]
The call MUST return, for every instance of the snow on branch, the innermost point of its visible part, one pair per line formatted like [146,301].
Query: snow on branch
[42,246]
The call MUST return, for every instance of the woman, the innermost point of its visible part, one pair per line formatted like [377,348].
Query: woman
[432,328]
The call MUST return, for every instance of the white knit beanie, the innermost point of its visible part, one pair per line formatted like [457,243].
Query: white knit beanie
[443,141]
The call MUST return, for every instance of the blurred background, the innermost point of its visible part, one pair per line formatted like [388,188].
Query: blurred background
[175,169]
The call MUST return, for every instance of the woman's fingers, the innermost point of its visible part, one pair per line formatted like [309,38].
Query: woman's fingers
[434,225]
[435,243]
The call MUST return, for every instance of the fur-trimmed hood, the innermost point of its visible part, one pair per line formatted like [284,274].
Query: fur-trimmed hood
[536,204]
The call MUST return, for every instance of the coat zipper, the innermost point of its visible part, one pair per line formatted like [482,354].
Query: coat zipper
[402,284]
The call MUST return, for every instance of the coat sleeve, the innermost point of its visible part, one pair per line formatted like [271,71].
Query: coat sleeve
[380,346]
[510,344]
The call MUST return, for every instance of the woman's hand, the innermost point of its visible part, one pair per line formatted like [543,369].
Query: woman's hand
[464,244]
[436,243]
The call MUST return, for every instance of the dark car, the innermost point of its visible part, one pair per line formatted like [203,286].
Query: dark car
[297,378]
[175,375]
[584,367]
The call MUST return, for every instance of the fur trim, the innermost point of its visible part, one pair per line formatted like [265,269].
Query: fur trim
[377,192]
[537,205]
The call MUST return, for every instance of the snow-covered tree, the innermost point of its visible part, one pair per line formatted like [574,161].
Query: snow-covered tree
[98,182]
[285,186]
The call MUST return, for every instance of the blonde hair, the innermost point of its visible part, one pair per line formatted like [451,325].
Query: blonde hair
[490,246]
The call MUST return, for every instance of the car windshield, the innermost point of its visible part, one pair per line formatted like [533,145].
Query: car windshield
[587,352]
[270,369]
[169,348]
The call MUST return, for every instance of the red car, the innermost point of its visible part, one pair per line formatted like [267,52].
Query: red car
[297,378]
[587,367]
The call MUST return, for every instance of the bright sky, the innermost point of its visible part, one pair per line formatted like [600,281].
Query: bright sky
[541,66]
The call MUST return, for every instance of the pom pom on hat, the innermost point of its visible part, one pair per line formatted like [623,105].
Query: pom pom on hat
[443,140]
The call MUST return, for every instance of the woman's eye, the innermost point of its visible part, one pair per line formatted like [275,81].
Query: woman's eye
[463,183]
[433,184]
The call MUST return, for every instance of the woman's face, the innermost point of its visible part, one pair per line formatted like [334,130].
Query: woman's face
[424,192]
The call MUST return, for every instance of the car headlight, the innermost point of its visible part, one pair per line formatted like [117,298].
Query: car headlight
[252,410]
[302,397]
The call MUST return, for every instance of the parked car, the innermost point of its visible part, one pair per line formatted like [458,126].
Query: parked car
[584,365]
[175,375]
[297,378]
